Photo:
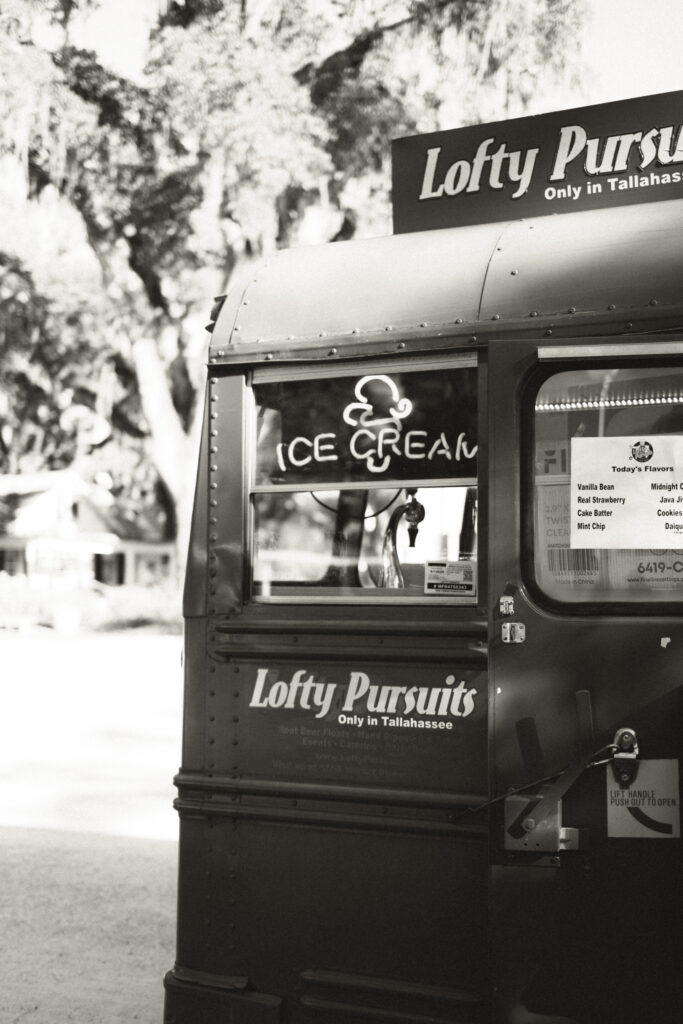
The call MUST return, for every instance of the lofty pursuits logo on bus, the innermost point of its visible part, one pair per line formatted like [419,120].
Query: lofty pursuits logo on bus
[495,166]
[604,155]
[360,701]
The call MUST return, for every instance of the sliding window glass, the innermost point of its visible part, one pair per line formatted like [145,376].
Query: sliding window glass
[365,485]
[608,485]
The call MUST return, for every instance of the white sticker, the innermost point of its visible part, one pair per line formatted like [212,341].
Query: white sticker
[647,809]
[455,578]
[557,566]
[627,492]
[647,570]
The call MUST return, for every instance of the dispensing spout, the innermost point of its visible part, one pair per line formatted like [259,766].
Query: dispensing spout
[392,574]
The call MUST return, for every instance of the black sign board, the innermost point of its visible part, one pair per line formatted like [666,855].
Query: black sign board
[610,154]
[366,429]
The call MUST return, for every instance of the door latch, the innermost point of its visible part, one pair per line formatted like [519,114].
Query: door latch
[513,632]
[625,759]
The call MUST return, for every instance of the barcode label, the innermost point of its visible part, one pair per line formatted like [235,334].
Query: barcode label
[572,560]
[455,578]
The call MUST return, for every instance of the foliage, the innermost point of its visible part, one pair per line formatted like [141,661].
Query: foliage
[35,377]
[256,123]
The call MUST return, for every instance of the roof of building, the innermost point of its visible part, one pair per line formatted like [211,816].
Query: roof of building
[62,504]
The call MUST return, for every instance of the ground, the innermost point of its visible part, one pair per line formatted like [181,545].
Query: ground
[89,742]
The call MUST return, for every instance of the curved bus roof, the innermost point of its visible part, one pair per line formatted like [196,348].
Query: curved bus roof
[597,272]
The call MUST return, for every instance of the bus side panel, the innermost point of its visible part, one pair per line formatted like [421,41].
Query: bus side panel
[587,929]
[272,903]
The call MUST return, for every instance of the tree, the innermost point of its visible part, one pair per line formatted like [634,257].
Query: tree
[256,125]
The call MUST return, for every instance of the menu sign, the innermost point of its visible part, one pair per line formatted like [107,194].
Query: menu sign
[610,154]
[393,426]
[627,492]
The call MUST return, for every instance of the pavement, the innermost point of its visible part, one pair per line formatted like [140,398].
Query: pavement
[88,927]
[90,731]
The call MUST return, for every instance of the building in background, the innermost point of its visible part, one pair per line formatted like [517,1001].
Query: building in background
[59,530]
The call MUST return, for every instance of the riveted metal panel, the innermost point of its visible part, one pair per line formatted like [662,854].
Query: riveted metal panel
[432,283]
[226,532]
[194,593]
[269,900]
[602,260]
[349,288]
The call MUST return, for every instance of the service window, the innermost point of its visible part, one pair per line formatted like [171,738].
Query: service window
[365,483]
[608,485]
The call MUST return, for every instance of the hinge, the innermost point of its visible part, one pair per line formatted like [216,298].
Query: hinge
[513,632]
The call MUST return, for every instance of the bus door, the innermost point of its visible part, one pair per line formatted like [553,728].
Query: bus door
[336,726]
[586,661]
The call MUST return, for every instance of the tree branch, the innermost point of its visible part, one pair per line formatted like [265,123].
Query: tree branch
[168,439]
[325,78]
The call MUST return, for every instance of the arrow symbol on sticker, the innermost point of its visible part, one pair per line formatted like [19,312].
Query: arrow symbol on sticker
[647,822]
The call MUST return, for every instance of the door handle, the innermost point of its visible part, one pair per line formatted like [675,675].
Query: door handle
[537,808]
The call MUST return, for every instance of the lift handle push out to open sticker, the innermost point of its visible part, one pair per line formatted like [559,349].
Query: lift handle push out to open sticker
[650,807]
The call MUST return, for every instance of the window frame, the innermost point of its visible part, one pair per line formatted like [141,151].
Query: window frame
[316,371]
[558,360]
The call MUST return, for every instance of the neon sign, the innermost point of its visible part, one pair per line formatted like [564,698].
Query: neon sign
[405,425]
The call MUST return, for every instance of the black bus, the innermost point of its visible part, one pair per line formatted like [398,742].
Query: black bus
[434,644]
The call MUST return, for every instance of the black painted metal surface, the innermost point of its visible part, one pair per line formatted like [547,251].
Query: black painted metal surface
[346,879]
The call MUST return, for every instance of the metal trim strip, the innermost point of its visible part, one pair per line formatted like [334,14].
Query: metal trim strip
[322,791]
[326,595]
[229,983]
[365,485]
[417,364]
[187,807]
[616,349]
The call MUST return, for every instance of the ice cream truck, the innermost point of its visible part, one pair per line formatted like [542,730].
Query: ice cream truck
[434,633]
